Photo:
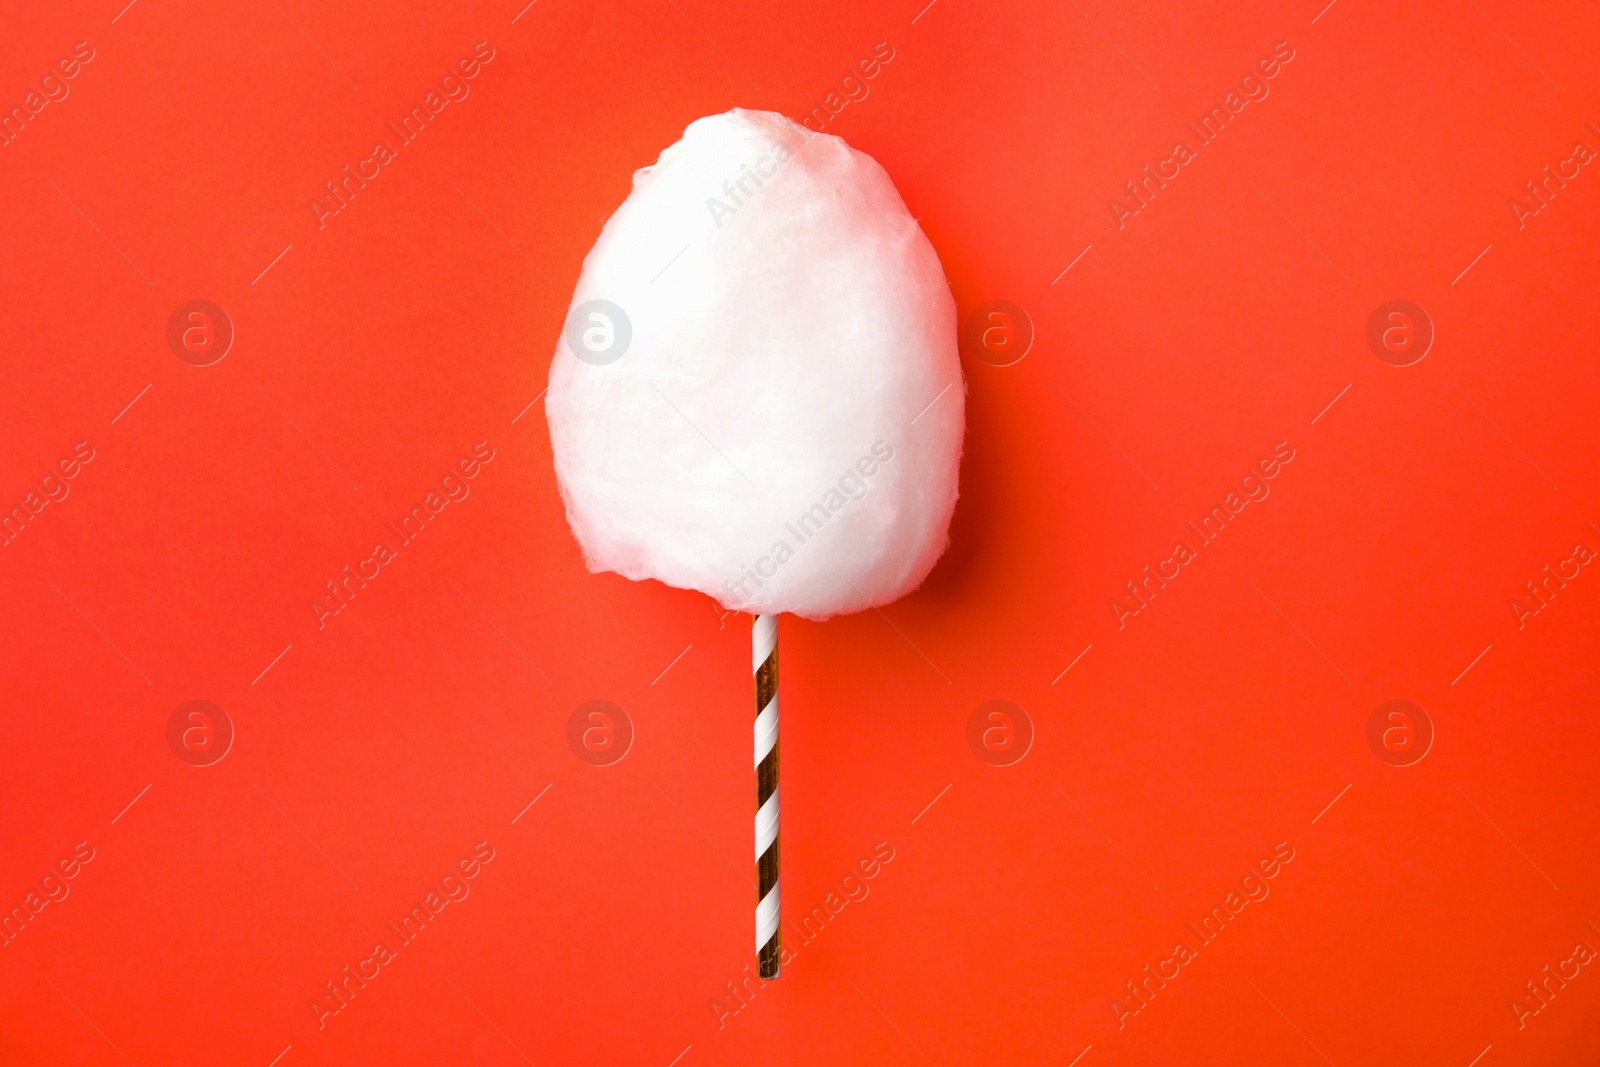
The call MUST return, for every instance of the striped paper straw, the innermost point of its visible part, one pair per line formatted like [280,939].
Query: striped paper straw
[764,649]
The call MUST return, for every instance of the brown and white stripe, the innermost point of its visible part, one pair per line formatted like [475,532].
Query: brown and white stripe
[764,648]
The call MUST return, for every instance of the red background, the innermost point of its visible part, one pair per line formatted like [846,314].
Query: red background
[1222,719]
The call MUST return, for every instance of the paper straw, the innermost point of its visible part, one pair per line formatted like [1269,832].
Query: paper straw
[764,649]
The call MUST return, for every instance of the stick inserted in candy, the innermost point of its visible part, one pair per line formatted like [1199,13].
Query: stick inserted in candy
[757,395]
[764,654]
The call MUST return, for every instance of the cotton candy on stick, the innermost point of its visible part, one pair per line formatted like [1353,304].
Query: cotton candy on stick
[757,395]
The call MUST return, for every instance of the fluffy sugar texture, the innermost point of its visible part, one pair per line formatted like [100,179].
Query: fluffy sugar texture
[783,431]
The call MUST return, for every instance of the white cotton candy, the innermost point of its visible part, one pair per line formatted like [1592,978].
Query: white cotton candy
[757,392]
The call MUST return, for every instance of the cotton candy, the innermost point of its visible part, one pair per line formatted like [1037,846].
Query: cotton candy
[757,392]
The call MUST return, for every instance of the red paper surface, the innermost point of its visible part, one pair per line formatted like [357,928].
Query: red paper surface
[1170,751]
